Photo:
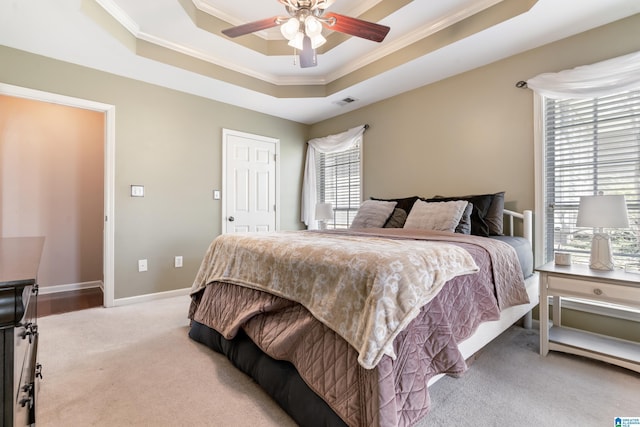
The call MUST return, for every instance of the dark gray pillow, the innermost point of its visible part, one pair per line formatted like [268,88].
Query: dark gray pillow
[397,219]
[464,226]
[495,215]
[373,214]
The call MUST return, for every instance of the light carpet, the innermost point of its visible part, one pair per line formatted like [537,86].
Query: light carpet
[510,384]
[135,366]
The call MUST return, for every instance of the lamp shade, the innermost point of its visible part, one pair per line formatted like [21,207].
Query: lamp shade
[602,212]
[324,211]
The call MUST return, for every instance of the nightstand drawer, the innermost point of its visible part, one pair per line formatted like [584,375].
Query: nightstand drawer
[627,295]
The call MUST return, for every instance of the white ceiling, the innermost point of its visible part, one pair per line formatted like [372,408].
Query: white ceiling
[69,30]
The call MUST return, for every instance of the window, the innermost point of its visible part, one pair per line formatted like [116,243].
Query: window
[590,145]
[339,183]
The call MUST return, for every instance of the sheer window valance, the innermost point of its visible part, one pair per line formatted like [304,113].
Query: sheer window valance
[590,81]
[329,144]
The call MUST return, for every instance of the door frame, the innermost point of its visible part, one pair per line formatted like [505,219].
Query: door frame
[226,133]
[109,171]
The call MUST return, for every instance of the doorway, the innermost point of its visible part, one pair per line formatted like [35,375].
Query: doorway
[109,172]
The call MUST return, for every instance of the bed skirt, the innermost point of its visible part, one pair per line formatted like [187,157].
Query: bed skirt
[278,378]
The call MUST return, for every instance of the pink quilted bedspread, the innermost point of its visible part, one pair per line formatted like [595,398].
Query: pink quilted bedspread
[394,393]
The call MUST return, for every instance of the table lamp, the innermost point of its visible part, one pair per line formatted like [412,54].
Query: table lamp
[602,212]
[324,212]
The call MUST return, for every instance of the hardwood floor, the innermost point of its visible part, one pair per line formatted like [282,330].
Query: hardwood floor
[63,302]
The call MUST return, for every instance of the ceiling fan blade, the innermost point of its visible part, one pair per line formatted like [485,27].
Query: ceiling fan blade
[251,27]
[357,27]
[307,54]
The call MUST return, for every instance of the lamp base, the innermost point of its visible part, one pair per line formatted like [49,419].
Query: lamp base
[601,255]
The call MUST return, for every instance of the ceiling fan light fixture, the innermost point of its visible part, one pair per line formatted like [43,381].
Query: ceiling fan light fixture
[317,41]
[303,28]
[296,41]
[290,29]
[312,26]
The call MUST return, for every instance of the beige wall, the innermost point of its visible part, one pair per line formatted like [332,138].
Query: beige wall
[171,143]
[473,132]
[51,184]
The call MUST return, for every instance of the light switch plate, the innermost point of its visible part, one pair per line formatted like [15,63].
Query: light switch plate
[216,194]
[137,191]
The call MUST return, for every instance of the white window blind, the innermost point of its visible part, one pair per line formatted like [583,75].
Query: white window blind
[591,145]
[339,183]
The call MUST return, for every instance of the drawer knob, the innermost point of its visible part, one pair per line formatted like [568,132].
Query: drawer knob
[597,291]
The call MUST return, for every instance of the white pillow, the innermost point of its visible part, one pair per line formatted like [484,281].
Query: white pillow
[440,216]
[373,213]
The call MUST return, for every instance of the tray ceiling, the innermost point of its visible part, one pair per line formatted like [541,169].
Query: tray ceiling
[178,44]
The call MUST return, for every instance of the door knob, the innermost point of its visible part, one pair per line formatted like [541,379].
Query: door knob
[231,219]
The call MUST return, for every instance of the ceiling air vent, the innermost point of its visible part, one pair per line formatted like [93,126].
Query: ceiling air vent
[345,101]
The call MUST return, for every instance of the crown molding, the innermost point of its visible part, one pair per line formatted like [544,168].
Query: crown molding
[216,60]
[120,15]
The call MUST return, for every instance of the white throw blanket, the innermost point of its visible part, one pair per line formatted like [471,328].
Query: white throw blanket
[367,289]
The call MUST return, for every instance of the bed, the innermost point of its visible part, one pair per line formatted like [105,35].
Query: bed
[349,327]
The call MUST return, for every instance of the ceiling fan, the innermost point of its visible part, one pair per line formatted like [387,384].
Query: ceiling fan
[303,27]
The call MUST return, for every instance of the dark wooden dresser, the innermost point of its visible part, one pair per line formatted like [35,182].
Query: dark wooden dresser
[19,369]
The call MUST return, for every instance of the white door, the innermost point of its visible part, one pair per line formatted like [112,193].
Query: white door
[249,182]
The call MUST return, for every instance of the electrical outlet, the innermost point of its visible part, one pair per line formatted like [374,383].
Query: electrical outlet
[142,265]
[177,262]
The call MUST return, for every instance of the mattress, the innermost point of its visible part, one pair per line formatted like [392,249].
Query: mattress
[523,251]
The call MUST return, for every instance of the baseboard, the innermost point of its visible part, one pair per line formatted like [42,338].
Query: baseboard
[54,289]
[151,297]
[44,290]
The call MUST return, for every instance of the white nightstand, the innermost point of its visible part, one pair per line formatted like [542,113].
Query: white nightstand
[579,281]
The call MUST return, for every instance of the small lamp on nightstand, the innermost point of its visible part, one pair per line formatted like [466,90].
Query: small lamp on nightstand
[602,212]
[324,212]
